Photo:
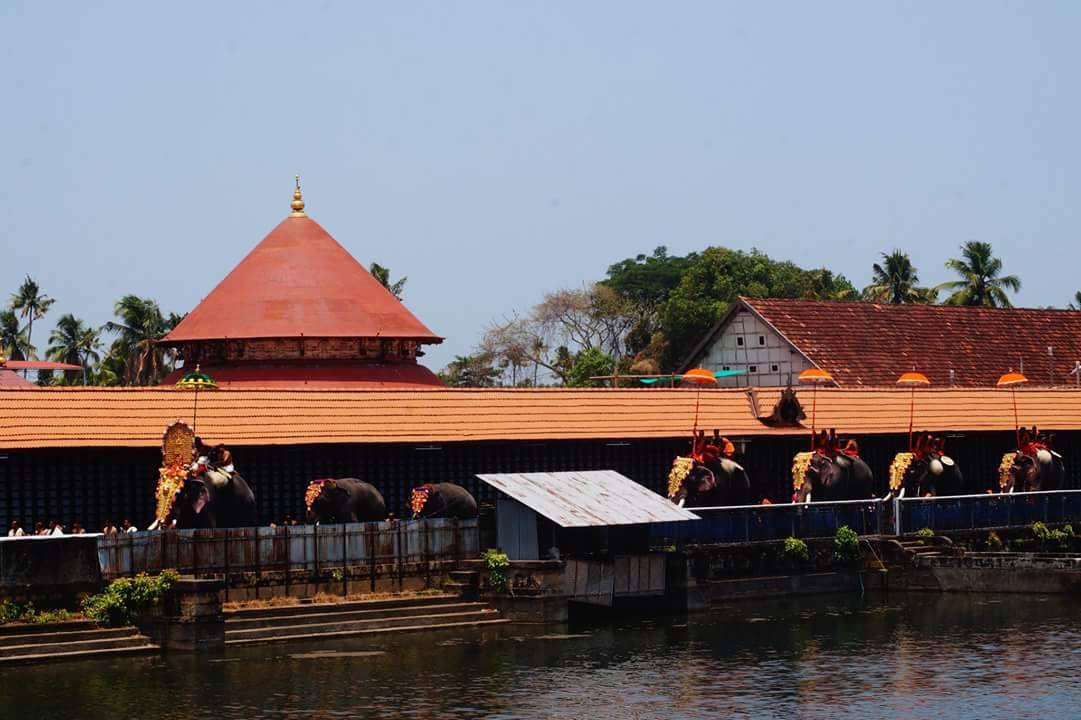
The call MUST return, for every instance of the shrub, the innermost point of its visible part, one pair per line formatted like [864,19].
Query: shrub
[497,563]
[925,533]
[846,544]
[125,598]
[1041,531]
[796,549]
[994,542]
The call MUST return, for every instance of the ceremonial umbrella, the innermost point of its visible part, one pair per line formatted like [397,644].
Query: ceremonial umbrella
[814,377]
[196,381]
[698,377]
[912,380]
[1012,380]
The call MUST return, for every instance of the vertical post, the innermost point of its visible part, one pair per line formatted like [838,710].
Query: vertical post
[897,516]
[288,558]
[226,564]
[345,562]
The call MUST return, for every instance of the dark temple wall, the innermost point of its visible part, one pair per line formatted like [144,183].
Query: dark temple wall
[92,485]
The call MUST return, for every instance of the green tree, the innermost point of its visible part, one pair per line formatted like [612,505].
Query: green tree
[717,277]
[73,342]
[587,364]
[981,283]
[895,281]
[31,304]
[14,342]
[136,347]
[1076,304]
[471,371]
[645,282]
[382,274]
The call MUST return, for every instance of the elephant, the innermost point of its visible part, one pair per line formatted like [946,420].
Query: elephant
[719,483]
[927,470]
[710,477]
[344,500]
[1034,467]
[442,500]
[831,472]
[213,497]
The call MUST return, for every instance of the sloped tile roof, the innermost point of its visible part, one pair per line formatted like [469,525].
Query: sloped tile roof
[299,282]
[867,344]
[136,417]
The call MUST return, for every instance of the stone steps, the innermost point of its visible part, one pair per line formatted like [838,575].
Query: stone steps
[306,608]
[43,643]
[308,622]
[315,615]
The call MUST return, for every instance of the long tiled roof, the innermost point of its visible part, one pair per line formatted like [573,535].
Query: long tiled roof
[867,344]
[136,417]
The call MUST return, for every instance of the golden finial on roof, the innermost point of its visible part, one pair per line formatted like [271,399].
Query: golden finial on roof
[298,202]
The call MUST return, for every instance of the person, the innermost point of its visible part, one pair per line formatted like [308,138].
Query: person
[39,528]
[77,528]
[127,527]
[16,529]
[109,528]
[55,527]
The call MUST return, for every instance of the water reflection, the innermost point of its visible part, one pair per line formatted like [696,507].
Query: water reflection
[913,656]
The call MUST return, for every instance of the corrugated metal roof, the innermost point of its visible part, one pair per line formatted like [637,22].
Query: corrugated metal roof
[588,498]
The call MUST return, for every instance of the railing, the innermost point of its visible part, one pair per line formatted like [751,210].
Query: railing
[750,523]
[396,547]
[985,512]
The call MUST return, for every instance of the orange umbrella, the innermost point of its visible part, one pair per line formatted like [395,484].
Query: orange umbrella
[1012,380]
[814,377]
[698,377]
[912,380]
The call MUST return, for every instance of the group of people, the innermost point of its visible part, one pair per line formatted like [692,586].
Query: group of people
[55,527]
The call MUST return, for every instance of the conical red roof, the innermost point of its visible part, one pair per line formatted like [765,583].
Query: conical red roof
[300,282]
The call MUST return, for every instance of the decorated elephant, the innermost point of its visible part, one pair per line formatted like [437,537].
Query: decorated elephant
[442,500]
[344,500]
[1034,466]
[709,477]
[831,472]
[926,470]
[213,497]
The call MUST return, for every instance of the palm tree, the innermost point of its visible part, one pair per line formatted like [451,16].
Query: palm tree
[895,281]
[141,326]
[75,343]
[1076,304]
[382,274]
[980,283]
[30,303]
[14,343]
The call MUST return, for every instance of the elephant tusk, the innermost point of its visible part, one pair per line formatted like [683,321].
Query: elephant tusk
[901,494]
[807,500]
[682,500]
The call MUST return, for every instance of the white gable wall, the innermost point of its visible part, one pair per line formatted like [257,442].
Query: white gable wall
[747,343]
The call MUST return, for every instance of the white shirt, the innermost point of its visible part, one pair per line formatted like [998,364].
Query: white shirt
[57,531]
[132,529]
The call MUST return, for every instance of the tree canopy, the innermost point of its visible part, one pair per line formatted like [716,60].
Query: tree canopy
[981,282]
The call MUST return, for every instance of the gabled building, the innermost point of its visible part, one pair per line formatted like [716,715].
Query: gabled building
[300,311]
[869,345]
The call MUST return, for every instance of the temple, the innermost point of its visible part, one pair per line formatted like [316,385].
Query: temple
[300,311]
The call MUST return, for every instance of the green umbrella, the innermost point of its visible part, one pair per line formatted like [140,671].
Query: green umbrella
[196,381]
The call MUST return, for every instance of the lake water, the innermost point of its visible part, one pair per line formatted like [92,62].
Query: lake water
[909,656]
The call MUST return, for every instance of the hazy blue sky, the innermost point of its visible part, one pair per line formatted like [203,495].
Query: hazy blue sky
[493,151]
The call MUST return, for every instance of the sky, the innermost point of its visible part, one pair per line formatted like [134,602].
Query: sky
[495,151]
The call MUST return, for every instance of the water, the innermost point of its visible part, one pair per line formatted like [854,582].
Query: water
[912,656]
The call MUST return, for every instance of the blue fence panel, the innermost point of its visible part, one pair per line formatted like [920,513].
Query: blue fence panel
[980,512]
[753,523]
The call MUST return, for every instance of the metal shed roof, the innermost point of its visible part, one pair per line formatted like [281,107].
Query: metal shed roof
[588,498]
